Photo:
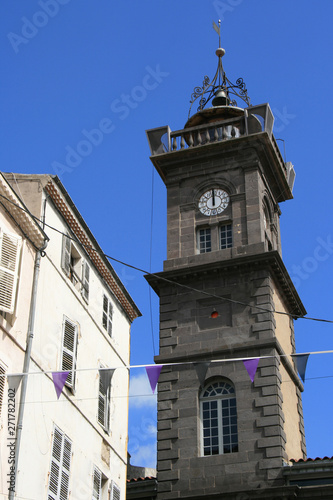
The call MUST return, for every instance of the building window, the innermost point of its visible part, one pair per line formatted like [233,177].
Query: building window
[225,236]
[219,419]
[10,246]
[114,491]
[103,414]
[97,484]
[60,466]
[100,485]
[204,240]
[69,350]
[2,385]
[107,315]
[75,267]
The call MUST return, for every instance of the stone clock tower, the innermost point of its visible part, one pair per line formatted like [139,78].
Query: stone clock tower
[225,295]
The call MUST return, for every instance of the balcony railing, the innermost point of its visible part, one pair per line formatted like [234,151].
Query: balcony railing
[254,119]
[204,134]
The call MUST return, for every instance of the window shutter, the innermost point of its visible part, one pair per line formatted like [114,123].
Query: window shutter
[10,247]
[110,319]
[85,280]
[101,403]
[115,491]
[66,254]
[55,466]
[60,467]
[66,464]
[103,415]
[107,315]
[69,350]
[2,385]
[105,312]
[97,484]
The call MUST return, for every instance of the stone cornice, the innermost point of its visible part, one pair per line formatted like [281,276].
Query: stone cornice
[266,260]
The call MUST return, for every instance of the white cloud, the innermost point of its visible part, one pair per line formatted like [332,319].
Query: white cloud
[145,456]
[140,393]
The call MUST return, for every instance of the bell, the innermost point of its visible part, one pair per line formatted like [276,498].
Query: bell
[214,314]
[221,98]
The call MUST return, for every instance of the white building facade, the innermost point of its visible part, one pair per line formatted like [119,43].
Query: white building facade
[74,447]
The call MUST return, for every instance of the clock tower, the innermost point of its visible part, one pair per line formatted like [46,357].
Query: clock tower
[225,296]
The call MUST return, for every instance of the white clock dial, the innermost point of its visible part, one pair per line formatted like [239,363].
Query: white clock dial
[213,202]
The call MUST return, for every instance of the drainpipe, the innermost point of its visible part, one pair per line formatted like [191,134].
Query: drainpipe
[40,253]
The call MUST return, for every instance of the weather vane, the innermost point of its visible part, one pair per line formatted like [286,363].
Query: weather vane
[220,84]
[217,28]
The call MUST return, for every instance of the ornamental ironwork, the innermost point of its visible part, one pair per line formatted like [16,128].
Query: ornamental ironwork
[219,84]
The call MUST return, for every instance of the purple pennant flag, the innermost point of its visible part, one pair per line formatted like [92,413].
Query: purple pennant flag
[59,379]
[153,373]
[251,366]
[301,361]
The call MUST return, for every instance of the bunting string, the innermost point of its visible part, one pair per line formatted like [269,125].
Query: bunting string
[130,396]
[153,370]
[170,364]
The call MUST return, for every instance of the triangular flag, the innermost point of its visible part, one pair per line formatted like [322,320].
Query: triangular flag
[251,366]
[59,379]
[105,377]
[201,369]
[301,361]
[153,373]
[14,382]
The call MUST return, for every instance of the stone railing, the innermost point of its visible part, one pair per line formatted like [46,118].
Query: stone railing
[204,134]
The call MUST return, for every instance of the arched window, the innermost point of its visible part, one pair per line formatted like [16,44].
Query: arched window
[219,418]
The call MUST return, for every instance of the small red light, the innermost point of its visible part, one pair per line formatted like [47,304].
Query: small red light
[214,314]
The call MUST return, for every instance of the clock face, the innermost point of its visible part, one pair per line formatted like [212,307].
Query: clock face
[213,202]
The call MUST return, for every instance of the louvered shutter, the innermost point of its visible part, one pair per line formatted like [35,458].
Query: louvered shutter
[110,319]
[10,247]
[103,416]
[107,315]
[66,464]
[69,350]
[55,466]
[60,467]
[115,491]
[85,280]
[66,254]
[2,385]
[97,484]
[101,403]
[105,312]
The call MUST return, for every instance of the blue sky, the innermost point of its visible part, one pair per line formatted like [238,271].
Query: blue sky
[82,81]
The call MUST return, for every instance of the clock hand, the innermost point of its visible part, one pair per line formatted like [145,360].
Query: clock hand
[213,191]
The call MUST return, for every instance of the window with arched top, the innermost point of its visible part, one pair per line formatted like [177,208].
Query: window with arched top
[219,418]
